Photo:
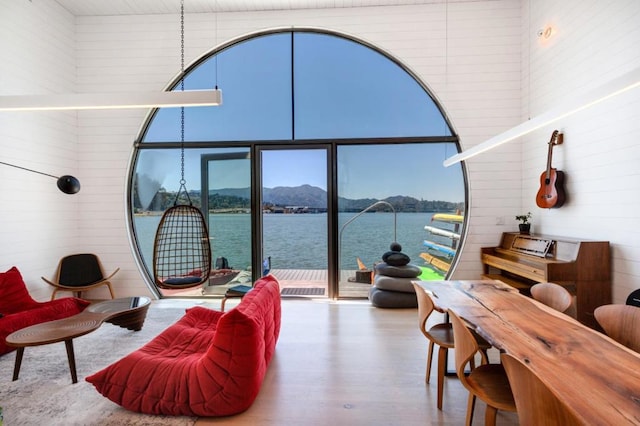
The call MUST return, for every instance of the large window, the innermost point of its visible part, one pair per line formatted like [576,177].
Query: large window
[378,130]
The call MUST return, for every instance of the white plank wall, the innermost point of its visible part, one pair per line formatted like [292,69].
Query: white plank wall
[593,42]
[476,56]
[38,223]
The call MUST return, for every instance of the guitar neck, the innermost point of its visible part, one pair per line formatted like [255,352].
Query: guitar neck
[556,139]
[549,154]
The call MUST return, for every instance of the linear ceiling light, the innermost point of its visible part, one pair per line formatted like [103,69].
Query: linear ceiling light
[81,101]
[625,82]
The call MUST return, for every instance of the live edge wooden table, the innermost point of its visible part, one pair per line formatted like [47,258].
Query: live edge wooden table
[594,376]
[128,312]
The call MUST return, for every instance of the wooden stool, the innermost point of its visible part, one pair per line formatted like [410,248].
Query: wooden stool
[238,291]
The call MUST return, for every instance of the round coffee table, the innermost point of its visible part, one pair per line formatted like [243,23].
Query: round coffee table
[128,312]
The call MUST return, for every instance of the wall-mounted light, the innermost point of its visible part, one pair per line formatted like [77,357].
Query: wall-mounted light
[67,184]
[545,32]
[82,101]
[624,83]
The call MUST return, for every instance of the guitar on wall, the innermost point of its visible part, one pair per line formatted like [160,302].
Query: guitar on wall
[551,193]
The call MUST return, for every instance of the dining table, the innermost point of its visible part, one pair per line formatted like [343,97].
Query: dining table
[597,378]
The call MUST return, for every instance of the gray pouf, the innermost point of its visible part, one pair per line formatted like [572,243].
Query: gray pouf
[403,285]
[406,271]
[392,299]
[392,287]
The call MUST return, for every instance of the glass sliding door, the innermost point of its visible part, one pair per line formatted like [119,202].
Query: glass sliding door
[226,201]
[294,219]
[390,193]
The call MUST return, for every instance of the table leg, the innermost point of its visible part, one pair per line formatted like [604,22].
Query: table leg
[448,372]
[16,368]
[72,360]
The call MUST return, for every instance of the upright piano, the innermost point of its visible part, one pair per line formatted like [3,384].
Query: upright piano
[583,267]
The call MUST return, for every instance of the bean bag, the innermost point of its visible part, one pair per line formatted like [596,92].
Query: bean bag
[208,363]
[19,310]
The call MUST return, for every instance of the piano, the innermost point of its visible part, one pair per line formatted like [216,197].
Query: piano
[583,267]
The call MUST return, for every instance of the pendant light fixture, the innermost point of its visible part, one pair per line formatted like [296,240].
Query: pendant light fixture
[622,84]
[90,101]
[124,100]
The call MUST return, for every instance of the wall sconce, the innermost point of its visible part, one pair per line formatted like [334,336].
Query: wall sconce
[545,32]
[67,183]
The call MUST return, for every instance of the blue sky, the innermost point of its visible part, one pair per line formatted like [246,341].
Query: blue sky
[342,90]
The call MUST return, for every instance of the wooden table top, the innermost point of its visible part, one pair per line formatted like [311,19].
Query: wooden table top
[77,325]
[593,375]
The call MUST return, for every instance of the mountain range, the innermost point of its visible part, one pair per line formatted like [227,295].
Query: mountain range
[316,198]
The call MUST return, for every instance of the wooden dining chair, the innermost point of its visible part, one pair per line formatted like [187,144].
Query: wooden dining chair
[553,295]
[488,382]
[621,323]
[536,404]
[440,334]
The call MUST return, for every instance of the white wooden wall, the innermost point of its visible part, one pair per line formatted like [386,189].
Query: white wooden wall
[593,42]
[476,57]
[37,222]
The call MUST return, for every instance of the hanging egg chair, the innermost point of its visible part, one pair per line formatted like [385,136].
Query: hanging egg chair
[181,250]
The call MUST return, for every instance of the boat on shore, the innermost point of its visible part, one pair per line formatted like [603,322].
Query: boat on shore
[222,276]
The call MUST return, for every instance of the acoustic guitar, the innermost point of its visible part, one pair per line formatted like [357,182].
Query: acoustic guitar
[551,193]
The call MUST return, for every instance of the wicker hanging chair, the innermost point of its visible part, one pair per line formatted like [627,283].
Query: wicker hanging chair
[181,250]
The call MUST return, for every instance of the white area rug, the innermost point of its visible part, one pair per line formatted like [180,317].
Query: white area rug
[44,394]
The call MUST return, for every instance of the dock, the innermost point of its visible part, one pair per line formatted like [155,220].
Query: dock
[306,282]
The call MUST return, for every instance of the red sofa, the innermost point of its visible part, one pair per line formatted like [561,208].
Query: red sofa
[208,363]
[19,310]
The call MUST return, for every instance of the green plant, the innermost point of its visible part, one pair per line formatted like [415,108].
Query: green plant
[524,218]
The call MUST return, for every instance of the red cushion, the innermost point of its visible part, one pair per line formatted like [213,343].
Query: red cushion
[45,311]
[206,364]
[14,296]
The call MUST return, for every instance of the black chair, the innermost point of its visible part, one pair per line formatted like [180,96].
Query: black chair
[80,272]
[634,298]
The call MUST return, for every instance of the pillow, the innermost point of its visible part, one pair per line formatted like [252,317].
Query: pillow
[14,296]
[182,280]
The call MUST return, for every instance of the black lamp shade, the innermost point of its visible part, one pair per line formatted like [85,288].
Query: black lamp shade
[68,184]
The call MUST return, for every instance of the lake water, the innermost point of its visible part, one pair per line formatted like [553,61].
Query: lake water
[299,241]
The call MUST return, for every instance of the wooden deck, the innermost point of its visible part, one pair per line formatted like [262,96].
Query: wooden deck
[290,278]
[303,278]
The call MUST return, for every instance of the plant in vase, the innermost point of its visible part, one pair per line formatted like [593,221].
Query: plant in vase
[524,225]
